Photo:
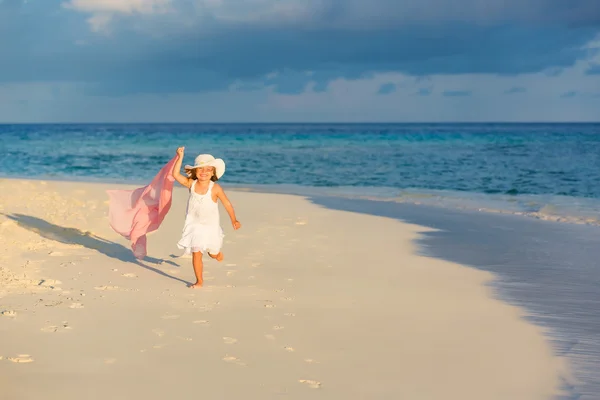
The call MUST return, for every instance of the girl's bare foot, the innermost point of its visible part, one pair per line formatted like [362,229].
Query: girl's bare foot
[197,285]
[218,257]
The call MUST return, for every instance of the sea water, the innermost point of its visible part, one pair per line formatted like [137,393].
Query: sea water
[549,171]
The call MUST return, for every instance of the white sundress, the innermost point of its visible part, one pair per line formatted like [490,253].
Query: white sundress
[202,228]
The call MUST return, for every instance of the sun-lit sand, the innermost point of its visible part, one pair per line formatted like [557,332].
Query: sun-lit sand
[308,303]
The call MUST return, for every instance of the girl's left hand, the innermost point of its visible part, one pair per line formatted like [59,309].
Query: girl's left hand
[236,225]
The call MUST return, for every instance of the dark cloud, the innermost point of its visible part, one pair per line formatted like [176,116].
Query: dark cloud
[387,88]
[594,69]
[43,41]
[553,71]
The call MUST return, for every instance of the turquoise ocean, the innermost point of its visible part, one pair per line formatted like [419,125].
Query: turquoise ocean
[549,171]
[519,200]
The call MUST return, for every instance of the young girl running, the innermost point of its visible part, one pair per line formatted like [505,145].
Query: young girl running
[202,229]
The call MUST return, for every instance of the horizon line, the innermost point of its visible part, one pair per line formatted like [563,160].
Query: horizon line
[306,123]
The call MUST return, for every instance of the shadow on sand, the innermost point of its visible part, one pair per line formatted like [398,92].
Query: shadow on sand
[88,240]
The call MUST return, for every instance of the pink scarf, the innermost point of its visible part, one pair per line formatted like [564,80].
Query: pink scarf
[135,213]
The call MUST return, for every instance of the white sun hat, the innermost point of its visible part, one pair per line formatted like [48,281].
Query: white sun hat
[207,160]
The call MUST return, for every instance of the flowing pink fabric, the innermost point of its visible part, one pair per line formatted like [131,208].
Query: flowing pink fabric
[135,213]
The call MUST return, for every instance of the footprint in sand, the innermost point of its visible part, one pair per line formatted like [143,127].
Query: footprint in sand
[130,275]
[310,383]
[256,264]
[231,265]
[110,360]
[106,287]
[21,358]
[279,290]
[9,313]
[76,305]
[290,349]
[187,339]
[290,314]
[229,340]
[158,332]
[278,327]
[54,328]
[269,304]
[233,360]
[170,316]
[229,273]
[200,321]
[53,303]
[158,346]
[287,298]
[311,361]
[49,282]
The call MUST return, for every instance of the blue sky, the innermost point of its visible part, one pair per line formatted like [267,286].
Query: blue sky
[299,60]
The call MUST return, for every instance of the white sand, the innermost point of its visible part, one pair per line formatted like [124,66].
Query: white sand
[309,303]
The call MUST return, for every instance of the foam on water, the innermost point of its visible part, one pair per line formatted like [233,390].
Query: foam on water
[545,207]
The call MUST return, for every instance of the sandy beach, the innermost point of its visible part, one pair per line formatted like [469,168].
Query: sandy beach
[308,303]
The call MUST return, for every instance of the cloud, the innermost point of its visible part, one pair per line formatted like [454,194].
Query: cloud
[515,90]
[387,88]
[119,6]
[456,93]
[104,11]
[341,100]
[185,46]
[594,69]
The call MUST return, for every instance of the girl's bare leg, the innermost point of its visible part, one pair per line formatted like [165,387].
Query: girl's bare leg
[198,267]
[218,256]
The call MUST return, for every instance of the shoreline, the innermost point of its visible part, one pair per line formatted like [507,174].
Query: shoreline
[442,199]
[549,270]
[296,258]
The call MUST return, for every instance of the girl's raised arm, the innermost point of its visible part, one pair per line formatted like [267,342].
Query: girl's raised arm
[184,180]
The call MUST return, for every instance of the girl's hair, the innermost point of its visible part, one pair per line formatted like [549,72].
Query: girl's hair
[191,173]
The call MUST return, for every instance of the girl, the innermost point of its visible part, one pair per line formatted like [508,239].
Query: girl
[202,230]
